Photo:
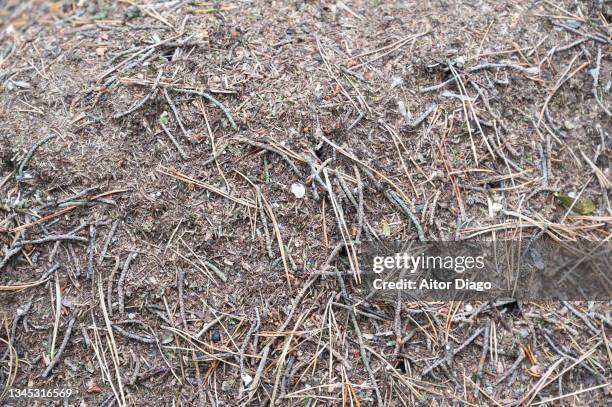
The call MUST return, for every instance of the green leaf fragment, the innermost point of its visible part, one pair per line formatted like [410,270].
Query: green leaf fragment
[386,228]
[582,206]
[164,118]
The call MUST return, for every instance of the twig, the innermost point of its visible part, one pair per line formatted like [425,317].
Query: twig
[10,253]
[366,362]
[144,100]
[146,50]
[121,281]
[595,73]
[58,355]
[130,335]
[53,238]
[213,101]
[360,207]
[260,369]
[90,250]
[416,122]
[587,35]
[528,71]
[395,198]
[483,357]
[21,313]
[109,237]
[313,171]
[31,152]
[180,284]
[109,287]
[176,114]
[245,343]
[582,317]
[264,222]
[272,150]
[216,270]
[182,153]
[469,340]
[19,245]
[512,368]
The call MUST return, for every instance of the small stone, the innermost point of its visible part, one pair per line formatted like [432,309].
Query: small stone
[298,190]
[132,12]
[226,385]
[496,207]
[468,308]
[395,82]
[247,379]
[460,62]
[68,302]
[569,125]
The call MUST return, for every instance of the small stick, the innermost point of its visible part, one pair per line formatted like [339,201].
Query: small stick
[346,189]
[144,100]
[216,270]
[528,71]
[395,198]
[10,254]
[286,374]
[31,152]
[366,362]
[357,120]
[212,100]
[143,50]
[543,164]
[272,150]
[21,313]
[586,35]
[483,357]
[512,368]
[554,50]
[582,317]
[90,250]
[216,155]
[595,73]
[264,222]
[260,369]
[130,335]
[182,153]
[433,207]
[416,122]
[180,283]
[176,114]
[109,237]
[121,281]
[109,287]
[455,352]
[19,245]
[360,206]
[53,238]
[61,348]
[314,173]
[245,343]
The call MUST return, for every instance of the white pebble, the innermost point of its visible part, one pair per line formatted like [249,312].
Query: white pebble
[298,190]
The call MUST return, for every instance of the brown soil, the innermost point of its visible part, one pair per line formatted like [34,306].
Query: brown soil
[151,235]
